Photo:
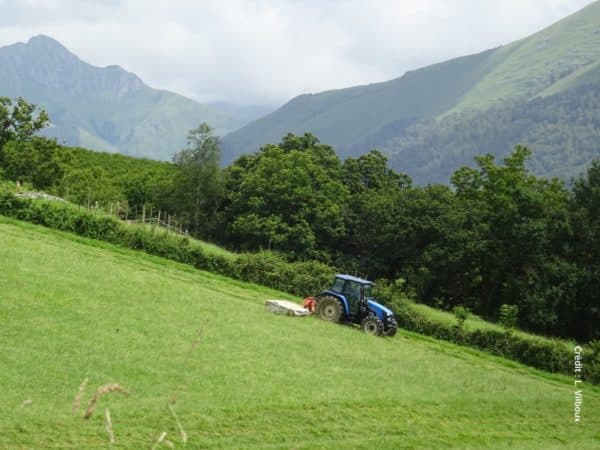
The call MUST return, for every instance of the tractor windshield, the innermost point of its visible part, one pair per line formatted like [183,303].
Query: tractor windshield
[338,285]
[368,290]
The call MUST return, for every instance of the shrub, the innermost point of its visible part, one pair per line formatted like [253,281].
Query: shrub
[265,268]
[392,294]
[508,316]
[310,277]
[548,356]
[461,313]
[592,362]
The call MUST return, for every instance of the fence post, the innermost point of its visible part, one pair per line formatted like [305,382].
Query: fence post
[144,213]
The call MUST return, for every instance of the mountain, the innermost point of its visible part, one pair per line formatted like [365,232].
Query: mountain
[243,112]
[563,130]
[345,117]
[104,108]
[553,64]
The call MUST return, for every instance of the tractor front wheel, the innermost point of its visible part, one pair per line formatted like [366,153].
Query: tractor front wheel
[330,309]
[372,325]
[390,328]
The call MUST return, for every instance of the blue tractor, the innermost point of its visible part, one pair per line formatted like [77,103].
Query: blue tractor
[350,301]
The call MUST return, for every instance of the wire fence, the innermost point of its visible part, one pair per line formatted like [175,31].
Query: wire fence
[122,211]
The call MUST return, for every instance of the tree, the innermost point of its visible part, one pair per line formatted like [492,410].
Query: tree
[371,172]
[198,182]
[287,197]
[90,185]
[374,189]
[36,161]
[19,121]
[585,213]
[523,225]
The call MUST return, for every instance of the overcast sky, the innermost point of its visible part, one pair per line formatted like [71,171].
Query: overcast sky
[269,51]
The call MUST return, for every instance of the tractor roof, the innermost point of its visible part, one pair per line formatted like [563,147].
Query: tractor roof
[351,278]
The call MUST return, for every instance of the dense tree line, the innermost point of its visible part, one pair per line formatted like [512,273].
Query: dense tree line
[496,236]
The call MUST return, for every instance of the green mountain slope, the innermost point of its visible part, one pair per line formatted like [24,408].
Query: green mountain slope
[102,108]
[559,58]
[562,130]
[237,376]
[529,66]
[346,117]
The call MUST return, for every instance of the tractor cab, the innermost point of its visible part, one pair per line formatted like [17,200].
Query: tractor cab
[350,300]
[355,290]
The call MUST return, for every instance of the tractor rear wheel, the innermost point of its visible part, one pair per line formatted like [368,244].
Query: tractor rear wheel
[330,309]
[390,328]
[372,325]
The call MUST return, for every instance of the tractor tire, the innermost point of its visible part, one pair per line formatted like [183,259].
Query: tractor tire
[390,328]
[372,325]
[329,309]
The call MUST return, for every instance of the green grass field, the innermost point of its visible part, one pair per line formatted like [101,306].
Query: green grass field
[73,308]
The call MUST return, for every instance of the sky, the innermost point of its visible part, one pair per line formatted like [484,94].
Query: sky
[266,52]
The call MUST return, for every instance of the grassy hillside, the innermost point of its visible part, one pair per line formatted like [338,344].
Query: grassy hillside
[523,69]
[74,308]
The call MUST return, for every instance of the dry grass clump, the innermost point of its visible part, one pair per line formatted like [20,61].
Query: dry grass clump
[163,440]
[79,396]
[108,426]
[102,390]
[182,433]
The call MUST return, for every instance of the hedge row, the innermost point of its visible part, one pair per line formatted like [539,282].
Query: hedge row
[298,278]
[548,356]
[265,268]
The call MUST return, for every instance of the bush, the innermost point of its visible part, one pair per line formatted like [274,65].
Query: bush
[265,268]
[508,316]
[392,294]
[461,313]
[548,356]
[592,362]
[310,277]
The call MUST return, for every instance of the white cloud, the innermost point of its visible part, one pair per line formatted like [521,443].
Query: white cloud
[270,51]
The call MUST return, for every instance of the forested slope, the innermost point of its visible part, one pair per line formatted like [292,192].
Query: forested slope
[562,130]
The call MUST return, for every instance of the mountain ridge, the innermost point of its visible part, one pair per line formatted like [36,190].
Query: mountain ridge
[352,108]
[42,51]
[102,108]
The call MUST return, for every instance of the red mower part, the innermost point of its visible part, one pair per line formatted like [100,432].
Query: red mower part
[310,303]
